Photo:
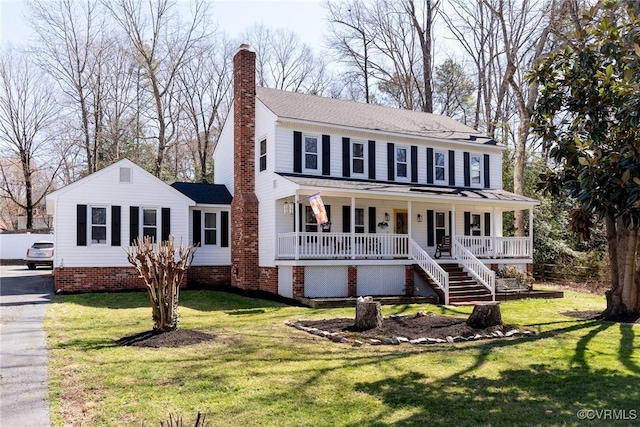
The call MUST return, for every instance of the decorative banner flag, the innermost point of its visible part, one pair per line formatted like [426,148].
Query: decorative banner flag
[318,210]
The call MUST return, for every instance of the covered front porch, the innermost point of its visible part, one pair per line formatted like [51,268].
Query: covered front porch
[366,246]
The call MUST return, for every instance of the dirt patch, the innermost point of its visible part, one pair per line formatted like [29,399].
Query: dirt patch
[155,339]
[422,325]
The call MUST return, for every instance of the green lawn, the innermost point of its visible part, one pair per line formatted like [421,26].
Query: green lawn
[259,372]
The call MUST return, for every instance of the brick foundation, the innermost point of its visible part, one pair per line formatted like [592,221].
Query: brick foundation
[409,286]
[269,279]
[352,281]
[298,281]
[112,279]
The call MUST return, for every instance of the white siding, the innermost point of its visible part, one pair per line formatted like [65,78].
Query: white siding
[103,189]
[285,281]
[223,155]
[265,186]
[211,254]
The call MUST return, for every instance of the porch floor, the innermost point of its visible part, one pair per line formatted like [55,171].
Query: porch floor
[395,300]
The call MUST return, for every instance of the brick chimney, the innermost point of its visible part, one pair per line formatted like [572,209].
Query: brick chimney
[245,273]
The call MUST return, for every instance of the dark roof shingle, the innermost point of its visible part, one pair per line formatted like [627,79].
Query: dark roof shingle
[209,194]
[321,110]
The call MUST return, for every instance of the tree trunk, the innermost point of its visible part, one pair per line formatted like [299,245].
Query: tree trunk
[485,315]
[622,246]
[368,314]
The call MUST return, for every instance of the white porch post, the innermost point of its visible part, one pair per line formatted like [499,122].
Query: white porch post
[410,219]
[494,231]
[531,232]
[296,225]
[453,227]
[353,228]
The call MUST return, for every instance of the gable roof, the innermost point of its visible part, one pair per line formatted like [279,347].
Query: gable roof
[312,108]
[209,194]
[118,164]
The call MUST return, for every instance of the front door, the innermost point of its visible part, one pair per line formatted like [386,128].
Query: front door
[402,222]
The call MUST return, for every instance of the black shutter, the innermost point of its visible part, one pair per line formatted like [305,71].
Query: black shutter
[346,219]
[430,229]
[327,208]
[487,171]
[467,223]
[467,170]
[224,233]
[326,155]
[115,226]
[166,223]
[134,223]
[391,162]
[372,160]
[487,224]
[197,228]
[81,225]
[452,167]
[297,151]
[430,166]
[414,163]
[346,157]
[372,219]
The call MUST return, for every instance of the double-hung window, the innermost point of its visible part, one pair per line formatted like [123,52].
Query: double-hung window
[357,157]
[263,155]
[439,165]
[210,228]
[441,221]
[476,166]
[310,222]
[401,162]
[150,223]
[359,223]
[311,153]
[98,225]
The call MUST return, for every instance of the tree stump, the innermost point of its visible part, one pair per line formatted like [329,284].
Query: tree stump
[368,314]
[485,315]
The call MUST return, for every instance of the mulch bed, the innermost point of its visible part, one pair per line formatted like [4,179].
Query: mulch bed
[176,338]
[423,325]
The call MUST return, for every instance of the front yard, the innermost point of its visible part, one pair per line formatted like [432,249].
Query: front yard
[259,372]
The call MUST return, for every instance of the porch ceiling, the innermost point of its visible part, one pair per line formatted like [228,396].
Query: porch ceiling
[411,190]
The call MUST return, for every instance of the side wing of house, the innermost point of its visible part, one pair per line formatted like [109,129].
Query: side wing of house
[100,215]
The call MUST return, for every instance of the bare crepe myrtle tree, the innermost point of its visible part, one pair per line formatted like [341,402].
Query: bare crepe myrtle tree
[162,272]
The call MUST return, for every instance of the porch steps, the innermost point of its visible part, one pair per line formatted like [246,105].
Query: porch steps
[462,287]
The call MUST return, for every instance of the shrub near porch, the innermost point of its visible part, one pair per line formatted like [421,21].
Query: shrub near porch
[260,372]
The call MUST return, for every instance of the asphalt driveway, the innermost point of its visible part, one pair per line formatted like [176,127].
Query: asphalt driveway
[24,295]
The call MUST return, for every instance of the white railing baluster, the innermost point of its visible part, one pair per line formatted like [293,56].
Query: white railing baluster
[435,272]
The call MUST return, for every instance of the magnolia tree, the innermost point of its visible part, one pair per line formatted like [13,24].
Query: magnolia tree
[162,268]
[588,113]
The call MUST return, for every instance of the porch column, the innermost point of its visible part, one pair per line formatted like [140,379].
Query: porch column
[296,225]
[410,219]
[453,229]
[531,232]
[494,231]
[353,228]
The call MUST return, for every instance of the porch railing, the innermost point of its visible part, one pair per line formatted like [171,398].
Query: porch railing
[483,274]
[435,272]
[497,247]
[342,246]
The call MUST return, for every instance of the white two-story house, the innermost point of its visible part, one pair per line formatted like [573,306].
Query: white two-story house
[394,183]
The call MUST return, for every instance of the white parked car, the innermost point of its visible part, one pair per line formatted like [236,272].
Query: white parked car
[40,253]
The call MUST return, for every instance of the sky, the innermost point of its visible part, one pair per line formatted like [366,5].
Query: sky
[304,17]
